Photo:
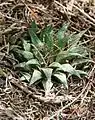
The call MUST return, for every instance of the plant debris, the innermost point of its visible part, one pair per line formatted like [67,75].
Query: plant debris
[18,100]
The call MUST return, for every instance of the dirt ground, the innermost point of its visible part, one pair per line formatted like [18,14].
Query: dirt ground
[18,101]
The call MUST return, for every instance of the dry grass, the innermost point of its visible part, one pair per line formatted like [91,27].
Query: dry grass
[17,100]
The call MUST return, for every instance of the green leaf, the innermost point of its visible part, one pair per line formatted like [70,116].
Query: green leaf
[27,55]
[32,32]
[47,36]
[61,56]
[38,54]
[49,41]
[23,55]
[35,77]
[26,76]
[34,39]
[62,78]
[55,65]
[78,49]
[33,62]
[74,49]
[26,45]
[72,52]
[47,72]
[66,56]
[20,65]
[68,68]
[61,35]
[23,66]
[81,72]
[34,27]
[81,61]
[74,38]
[47,84]
[73,55]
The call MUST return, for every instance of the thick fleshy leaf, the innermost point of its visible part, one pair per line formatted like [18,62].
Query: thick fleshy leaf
[27,55]
[47,36]
[68,68]
[47,72]
[33,62]
[74,39]
[55,65]
[23,66]
[34,26]
[26,45]
[23,54]
[20,65]
[78,49]
[71,53]
[81,72]
[61,34]
[47,84]
[26,76]
[61,56]
[82,61]
[49,41]
[62,78]
[35,77]
[34,39]
[68,56]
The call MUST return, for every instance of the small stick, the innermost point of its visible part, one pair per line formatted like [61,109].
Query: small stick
[5,3]
[66,106]
[84,13]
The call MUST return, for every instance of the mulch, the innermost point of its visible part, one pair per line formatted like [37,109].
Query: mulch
[18,101]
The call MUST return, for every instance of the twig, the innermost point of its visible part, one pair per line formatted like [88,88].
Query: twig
[48,100]
[39,8]
[60,4]
[87,41]
[71,5]
[24,89]
[90,22]
[84,96]
[3,47]
[5,3]
[11,18]
[82,11]
[93,93]
[30,10]
[66,106]
[11,29]
[64,8]
[91,72]
[85,14]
